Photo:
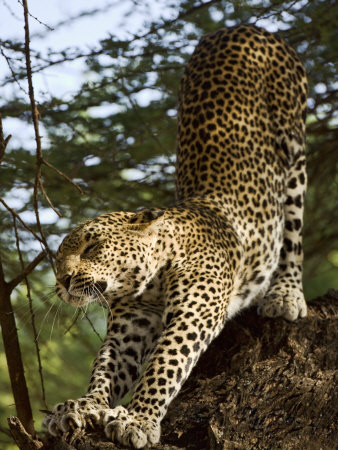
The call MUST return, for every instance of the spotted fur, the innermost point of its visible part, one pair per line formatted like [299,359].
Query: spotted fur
[172,277]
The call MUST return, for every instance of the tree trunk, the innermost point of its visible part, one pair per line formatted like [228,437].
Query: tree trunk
[13,356]
[262,384]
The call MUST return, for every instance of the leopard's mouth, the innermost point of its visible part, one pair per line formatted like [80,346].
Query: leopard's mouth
[82,295]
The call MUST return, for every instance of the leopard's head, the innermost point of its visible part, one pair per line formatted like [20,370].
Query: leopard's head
[108,257]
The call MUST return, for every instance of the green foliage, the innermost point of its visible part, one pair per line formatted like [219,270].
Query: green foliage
[115,137]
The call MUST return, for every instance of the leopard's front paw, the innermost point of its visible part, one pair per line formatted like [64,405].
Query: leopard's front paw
[130,429]
[287,303]
[72,414]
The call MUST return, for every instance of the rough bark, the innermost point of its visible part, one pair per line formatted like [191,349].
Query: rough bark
[262,384]
[13,355]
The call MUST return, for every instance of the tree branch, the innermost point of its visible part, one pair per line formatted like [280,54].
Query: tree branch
[35,117]
[21,437]
[66,177]
[13,356]
[3,141]
[30,301]
[14,213]
[27,270]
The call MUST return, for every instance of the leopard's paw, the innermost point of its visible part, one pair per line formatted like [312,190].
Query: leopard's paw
[130,429]
[71,415]
[287,303]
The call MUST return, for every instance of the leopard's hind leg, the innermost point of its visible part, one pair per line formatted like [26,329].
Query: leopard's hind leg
[285,296]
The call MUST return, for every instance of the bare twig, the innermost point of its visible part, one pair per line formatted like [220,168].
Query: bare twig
[77,315]
[15,77]
[35,117]
[135,108]
[181,15]
[3,141]
[66,177]
[26,270]
[50,203]
[35,18]
[267,12]
[35,112]
[92,325]
[23,223]
[30,301]
[11,12]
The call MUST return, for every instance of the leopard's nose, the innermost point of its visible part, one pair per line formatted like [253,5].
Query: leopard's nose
[65,281]
[101,286]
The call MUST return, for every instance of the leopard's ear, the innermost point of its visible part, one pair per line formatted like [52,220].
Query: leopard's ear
[146,216]
[146,221]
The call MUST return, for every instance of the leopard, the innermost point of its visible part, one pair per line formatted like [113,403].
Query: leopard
[172,277]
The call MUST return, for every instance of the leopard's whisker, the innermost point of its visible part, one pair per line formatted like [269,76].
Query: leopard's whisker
[100,296]
[45,318]
[55,315]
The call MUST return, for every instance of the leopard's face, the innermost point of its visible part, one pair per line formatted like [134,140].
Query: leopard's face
[107,257]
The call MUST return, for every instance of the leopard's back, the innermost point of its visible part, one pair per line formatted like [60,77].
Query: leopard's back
[242,98]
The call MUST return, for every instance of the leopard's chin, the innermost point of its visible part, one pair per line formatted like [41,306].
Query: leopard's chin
[75,300]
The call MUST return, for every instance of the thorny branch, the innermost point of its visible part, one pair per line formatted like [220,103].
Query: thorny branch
[25,270]
[14,213]
[33,17]
[135,108]
[15,77]
[40,161]
[35,117]
[63,175]
[92,326]
[30,301]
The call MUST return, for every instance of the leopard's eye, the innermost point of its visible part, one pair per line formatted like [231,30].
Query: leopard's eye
[88,249]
